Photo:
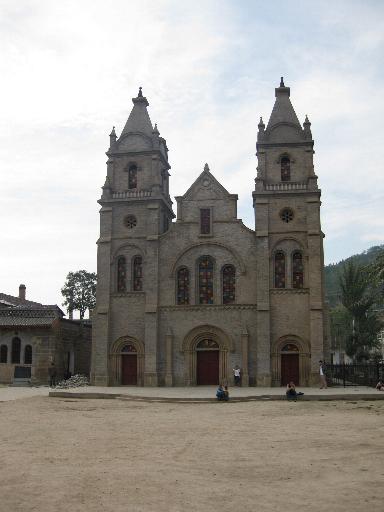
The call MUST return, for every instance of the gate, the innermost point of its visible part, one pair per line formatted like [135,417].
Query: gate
[354,374]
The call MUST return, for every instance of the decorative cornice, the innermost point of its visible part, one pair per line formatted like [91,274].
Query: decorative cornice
[208,307]
[289,291]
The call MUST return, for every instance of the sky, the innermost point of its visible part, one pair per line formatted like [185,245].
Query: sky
[69,70]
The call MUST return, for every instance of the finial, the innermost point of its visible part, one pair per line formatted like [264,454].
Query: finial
[206,167]
[282,82]
[155,130]
[113,133]
[140,95]
[261,124]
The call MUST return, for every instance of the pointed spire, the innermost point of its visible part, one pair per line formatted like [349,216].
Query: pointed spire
[206,167]
[155,130]
[138,120]
[307,128]
[283,111]
[261,125]
[112,137]
[107,189]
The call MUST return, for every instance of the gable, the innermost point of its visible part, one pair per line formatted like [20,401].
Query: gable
[206,187]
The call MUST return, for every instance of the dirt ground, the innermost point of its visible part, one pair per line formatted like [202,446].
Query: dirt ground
[116,455]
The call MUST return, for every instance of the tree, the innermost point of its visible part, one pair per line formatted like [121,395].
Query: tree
[358,298]
[79,291]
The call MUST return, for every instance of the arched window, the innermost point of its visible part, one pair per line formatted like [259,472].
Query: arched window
[16,347]
[28,354]
[129,349]
[183,286]
[285,168]
[207,344]
[121,274]
[205,280]
[279,269]
[132,176]
[3,354]
[137,283]
[229,280]
[297,270]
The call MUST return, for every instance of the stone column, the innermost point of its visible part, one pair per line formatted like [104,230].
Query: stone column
[168,360]
[244,360]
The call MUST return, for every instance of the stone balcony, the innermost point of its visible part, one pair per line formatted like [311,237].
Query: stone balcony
[285,186]
[131,193]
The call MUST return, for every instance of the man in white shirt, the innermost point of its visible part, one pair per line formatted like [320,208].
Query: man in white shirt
[236,374]
[323,380]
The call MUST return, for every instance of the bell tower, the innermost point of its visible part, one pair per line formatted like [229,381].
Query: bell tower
[290,289]
[135,210]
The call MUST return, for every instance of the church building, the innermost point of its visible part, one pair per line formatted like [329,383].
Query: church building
[182,301]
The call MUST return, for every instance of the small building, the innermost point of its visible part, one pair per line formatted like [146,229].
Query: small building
[33,336]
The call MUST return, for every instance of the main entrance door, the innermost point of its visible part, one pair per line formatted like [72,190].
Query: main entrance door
[207,363]
[129,369]
[290,369]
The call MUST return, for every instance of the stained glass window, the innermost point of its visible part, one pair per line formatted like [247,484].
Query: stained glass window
[3,354]
[16,347]
[206,280]
[285,169]
[279,270]
[137,273]
[183,286]
[28,354]
[207,344]
[297,270]
[129,348]
[229,279]
[132,177]
[289,347]
[121,274]
[205,221]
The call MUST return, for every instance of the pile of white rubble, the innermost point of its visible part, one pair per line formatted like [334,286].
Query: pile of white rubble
[75,381]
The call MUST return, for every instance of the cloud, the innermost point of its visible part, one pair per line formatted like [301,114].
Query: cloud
[70,69]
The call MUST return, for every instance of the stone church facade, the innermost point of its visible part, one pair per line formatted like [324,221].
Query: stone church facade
[183,302]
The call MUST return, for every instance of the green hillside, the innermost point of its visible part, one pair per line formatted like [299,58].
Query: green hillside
[332,290]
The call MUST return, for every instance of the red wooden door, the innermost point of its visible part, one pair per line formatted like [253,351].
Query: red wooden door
[290,369]
[207,368]
[129,369]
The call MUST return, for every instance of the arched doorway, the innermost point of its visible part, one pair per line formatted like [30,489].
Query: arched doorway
[205,351]
[290,360]
[290,364]
[126,366]
[207,362]
[129,365]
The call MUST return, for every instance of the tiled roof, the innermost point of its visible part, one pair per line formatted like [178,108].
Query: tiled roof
[28,316]
[16,301]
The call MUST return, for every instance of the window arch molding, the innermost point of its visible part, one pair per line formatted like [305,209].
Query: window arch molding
[235,256]
[288,245]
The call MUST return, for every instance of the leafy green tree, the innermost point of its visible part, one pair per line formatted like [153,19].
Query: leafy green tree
[358,297]
[79,291]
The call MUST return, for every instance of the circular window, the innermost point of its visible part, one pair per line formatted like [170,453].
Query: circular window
[286,215]
[130,221]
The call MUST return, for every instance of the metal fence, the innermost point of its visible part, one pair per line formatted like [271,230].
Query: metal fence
[354,374]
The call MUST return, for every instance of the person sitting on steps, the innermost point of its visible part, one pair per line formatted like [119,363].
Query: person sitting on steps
[291,392]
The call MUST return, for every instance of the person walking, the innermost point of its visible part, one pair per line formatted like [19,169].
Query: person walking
[323,379]
[236,374]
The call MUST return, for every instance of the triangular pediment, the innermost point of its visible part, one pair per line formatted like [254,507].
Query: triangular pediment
[206,186]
